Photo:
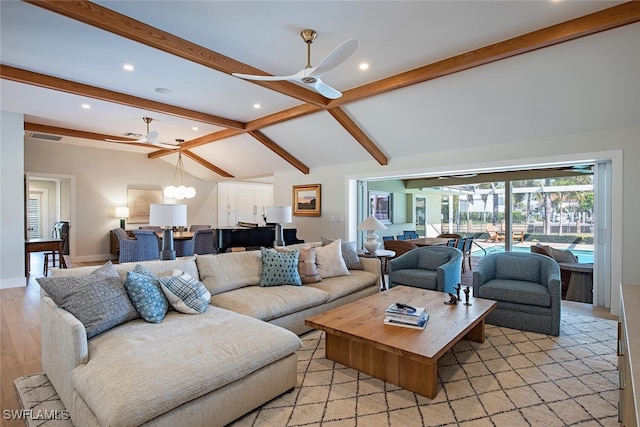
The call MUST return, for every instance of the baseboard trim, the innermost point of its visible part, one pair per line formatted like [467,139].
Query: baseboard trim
[13,283]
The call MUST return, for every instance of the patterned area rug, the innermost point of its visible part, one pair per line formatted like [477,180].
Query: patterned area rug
[514,378]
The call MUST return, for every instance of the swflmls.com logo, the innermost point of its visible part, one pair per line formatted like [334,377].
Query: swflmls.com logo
[31,414]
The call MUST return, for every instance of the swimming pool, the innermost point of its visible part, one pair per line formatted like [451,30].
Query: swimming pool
[584,256]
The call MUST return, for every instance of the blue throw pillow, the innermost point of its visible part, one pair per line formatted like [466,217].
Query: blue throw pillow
[280,268]
[146,296]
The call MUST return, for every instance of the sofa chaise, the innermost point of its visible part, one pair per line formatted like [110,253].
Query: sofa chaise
[193,370]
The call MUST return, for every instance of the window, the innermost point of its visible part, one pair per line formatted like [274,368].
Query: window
[380,206]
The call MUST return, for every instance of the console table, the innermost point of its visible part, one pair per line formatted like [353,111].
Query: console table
[41,245]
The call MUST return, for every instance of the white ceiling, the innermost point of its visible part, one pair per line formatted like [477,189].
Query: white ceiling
[585,84]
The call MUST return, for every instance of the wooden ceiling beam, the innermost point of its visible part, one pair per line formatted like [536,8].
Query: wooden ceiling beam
[109,20]
[350,126]
[282,116]
[207,164]
[35,127]
[613,17]
[42,80]
[197,142]
[267,142]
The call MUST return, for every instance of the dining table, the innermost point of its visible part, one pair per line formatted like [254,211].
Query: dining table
[429,241]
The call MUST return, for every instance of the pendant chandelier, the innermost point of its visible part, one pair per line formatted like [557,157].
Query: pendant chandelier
[180,192]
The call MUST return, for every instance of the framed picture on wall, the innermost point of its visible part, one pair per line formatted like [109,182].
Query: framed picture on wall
[138,201]
[306,200]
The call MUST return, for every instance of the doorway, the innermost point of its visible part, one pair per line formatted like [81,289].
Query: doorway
[49,199]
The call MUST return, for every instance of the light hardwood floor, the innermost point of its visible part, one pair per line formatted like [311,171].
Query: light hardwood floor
[20,333]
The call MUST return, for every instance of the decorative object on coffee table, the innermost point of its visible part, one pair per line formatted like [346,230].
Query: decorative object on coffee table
[466,296]
[453,300]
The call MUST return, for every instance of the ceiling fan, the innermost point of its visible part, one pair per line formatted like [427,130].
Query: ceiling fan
[311,75]
[150,138]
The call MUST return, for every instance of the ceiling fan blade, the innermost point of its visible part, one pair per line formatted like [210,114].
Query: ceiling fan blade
[336,57]
[326,90]
[152,137]
[264,78]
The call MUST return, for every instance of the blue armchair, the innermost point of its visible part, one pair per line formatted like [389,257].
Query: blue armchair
[527,288]
[148,247]
[128,246]
[429,267]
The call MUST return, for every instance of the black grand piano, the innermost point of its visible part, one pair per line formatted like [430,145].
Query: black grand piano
[251,237]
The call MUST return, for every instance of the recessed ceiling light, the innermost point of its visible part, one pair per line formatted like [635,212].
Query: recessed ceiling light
[163,90]
[257,106]
[128,67]
[194,128]
[364,66]
[86,106]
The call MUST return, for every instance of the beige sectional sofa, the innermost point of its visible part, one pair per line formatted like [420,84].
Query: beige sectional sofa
[193,370]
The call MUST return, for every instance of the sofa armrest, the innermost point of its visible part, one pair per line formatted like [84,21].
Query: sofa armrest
[484,272]
[372,265]
[64,347]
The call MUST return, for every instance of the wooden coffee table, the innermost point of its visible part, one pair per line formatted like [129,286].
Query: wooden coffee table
[357,337]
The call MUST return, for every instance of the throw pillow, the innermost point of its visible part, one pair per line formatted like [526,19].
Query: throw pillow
[349,253]
[329,260]
[98,300]
[185,294]
[279,268]
[307,267]
[146,296]
[563,255]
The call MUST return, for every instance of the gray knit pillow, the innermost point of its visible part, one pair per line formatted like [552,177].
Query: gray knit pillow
[98,300]
[349,253]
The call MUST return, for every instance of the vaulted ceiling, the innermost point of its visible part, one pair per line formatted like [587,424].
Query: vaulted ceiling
[452,74]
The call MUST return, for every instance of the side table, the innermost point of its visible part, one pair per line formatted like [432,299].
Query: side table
[383,255]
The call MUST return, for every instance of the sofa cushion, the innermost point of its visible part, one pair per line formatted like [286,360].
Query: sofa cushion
[147,297]
[228,271]
[516,291]
[338,287]
[98,300]
[266,303]
[518,268]
[349,253]
[185,294]
[431,260]
[279,268]
[329,260]
[416,277]
[139,370]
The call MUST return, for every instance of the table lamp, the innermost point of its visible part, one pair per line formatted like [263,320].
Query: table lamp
[370,225]
[122,212]
[278,215]
[167,217]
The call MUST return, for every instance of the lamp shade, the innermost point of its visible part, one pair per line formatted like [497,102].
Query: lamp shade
[279,214]
[372,223]
[164,215]
[122,212]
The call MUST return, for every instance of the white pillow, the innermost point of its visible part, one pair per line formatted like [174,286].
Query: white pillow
[330,262]
[185,294]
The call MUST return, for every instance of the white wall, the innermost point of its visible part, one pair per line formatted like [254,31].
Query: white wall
[11,200]
[101,181]
[623,145]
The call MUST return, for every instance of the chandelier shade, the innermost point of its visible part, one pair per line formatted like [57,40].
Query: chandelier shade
[180,191]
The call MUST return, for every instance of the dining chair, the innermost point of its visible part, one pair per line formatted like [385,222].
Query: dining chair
[128,246]
[199,227]
[148,247]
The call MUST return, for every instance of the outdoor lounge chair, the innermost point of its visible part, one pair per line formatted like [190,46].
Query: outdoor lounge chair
[494,234]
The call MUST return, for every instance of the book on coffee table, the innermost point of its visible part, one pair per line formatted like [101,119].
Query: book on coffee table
[406,314]
[394,322]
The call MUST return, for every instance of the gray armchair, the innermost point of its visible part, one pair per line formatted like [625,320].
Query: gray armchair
[526,287]
[429,267]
